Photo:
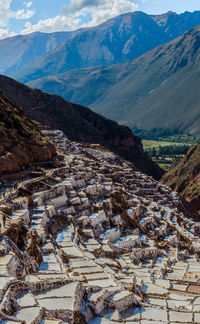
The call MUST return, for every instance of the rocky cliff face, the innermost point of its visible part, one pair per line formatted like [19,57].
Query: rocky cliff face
[20,142]
[79,123]
[185,177]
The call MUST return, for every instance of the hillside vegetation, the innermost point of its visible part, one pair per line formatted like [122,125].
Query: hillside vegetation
[159,89]
[165,154]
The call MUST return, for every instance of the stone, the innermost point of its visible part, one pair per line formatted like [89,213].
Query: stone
[99,243]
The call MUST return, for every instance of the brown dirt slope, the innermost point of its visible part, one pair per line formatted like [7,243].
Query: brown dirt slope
[20,141]
[79,123]
[185,177]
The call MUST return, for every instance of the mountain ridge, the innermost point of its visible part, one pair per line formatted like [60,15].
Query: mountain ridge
[120,39]
[79,123]
[134,93]
[19,50]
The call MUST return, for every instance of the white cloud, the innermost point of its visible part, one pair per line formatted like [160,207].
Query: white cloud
[71,17]
[76,6]
[4,12]
[4,33]
[117,7]
[4,18]
[21,14]
[57,23]
[28,4]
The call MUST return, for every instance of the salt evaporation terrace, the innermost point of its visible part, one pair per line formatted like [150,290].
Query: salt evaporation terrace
[95,241]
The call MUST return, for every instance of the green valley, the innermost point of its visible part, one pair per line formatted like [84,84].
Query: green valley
[159,89]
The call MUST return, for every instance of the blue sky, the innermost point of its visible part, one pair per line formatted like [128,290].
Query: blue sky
[26,16]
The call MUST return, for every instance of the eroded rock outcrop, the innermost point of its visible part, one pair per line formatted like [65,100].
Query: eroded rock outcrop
[20,142]
[185,177]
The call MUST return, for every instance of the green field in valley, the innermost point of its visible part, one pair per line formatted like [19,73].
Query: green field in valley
[165,153]
[151,143]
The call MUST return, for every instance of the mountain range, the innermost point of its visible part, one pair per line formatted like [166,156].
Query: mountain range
[159,89]
[19,50]
[120,39]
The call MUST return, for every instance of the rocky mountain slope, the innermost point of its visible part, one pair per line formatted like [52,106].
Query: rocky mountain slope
[185,177]
[95,241]
[79,123]
[21,144]
[175,24]
[19,50]
[159,89]
[120,39]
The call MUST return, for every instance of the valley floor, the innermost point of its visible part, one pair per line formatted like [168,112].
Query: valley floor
[165,153]
[95,241]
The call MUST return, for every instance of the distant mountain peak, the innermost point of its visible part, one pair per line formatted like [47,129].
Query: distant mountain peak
[120,39]
[162,19]
[159,88]
[166,14]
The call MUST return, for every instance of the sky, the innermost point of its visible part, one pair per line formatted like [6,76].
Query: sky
[27,16]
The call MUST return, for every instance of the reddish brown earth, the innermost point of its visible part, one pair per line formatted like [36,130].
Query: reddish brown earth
[185,177]
[20,141]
